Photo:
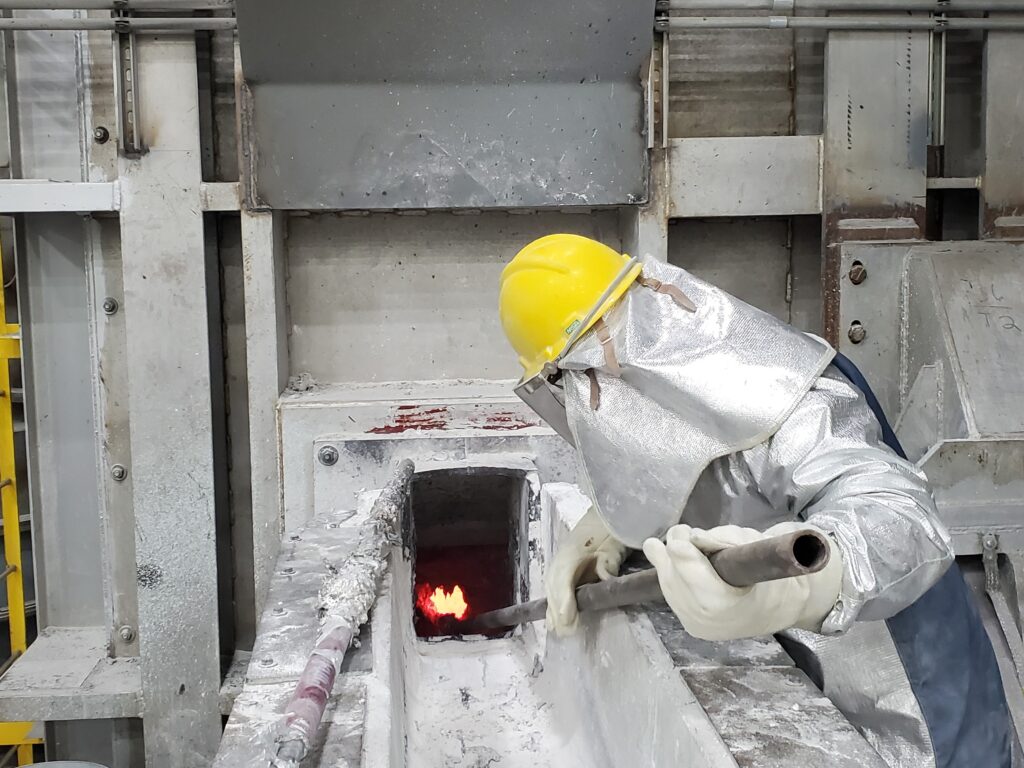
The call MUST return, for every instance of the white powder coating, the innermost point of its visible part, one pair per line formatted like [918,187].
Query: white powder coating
[487,703]
[347,596]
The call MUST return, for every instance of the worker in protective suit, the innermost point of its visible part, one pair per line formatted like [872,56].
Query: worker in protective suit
[703,423]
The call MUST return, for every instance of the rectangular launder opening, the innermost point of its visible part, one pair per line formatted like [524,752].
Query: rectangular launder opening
[465,533]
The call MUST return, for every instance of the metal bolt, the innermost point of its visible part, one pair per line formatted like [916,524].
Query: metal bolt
[989,541]
[118,472]
[110,305]
[857,332]
[279,611]
[295,537]
[328,455]
[126,633]
[289,570]
[858,273]
[101,134]
[266,661]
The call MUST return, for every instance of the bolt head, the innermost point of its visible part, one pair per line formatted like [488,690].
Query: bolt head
[857,332]
[118,472]
[100,134]
[279,611]
[110,305]
[266,661]
[858,273]
[328,455]
[126,633]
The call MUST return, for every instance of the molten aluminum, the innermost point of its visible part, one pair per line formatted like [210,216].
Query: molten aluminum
[438,603]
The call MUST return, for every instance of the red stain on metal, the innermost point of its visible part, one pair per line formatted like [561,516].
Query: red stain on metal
[412,417]
[505,421]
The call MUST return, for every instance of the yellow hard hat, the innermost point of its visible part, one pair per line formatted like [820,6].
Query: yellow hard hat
[552,287]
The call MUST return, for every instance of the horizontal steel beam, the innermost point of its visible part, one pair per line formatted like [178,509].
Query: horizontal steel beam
[852,23]
[111,5]
[42,196]
[744,176]
[788,6]
[219,195]
[119,24]
[958,182]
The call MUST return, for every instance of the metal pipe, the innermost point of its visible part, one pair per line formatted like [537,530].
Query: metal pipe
[780,557]
[110,5]
[788,6]
[8,571]
[364,567]
[833,23]
[119,24]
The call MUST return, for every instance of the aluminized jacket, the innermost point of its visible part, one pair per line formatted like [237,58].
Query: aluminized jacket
[724,415]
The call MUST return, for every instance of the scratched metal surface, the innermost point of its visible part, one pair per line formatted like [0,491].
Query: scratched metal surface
[440,106]
[766,710]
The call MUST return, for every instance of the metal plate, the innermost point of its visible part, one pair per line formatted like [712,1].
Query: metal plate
[762,176]
[981,293]
[399,105]
[979,487]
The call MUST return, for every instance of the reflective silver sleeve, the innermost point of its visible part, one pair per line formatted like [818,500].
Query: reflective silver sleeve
[827,464]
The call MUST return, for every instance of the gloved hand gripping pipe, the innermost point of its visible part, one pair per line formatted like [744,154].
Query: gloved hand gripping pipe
[346,598]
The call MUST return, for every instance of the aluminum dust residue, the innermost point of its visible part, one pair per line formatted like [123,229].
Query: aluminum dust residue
[483,703]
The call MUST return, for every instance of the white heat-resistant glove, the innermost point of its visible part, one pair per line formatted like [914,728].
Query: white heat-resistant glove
[713,610]
[589,553]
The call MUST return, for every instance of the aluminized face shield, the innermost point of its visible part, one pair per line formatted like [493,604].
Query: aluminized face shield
[544,394]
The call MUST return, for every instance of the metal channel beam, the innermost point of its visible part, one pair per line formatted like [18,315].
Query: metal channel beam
[266,352]
[169,385]
[760,176]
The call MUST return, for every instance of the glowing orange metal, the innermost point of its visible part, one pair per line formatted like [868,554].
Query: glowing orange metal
[439,602]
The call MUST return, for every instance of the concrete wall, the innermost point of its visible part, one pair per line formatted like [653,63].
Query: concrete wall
[397,298]
[772,263]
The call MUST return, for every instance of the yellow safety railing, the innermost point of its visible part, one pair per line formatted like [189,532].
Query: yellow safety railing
[14,735]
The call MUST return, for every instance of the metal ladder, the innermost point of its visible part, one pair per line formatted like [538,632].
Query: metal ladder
[17,736]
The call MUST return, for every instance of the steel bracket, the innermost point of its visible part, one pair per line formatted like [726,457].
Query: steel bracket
[126,85]
[994,588]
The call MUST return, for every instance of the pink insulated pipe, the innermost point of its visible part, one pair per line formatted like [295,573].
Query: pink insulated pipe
[348,596]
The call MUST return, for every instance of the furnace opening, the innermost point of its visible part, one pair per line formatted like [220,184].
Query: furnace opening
[466,531]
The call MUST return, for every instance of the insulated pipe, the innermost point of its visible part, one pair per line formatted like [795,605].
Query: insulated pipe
[780,557]
[119,24]
[112,5]
[360,577]
[833,22]
[788,6]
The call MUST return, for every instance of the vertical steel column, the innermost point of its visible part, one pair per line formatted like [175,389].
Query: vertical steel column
[267,360]
[874,150]
[267,364]
[1002,189]
[169,387]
